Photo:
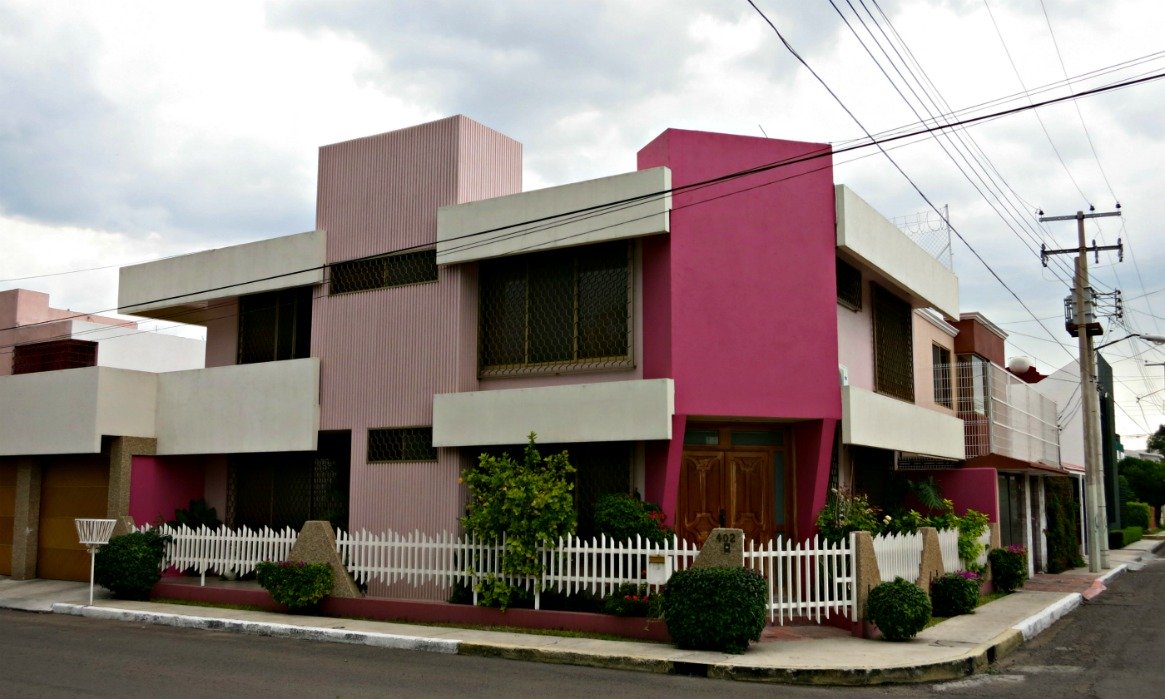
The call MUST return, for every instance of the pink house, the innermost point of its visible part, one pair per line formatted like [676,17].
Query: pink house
[723,330]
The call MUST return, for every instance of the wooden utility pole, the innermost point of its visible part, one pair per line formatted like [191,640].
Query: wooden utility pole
[1095,509]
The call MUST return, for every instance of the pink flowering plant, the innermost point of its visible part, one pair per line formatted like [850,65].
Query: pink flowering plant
[630,599]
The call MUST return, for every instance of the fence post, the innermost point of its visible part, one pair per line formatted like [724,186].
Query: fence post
[866,577]
[931,564]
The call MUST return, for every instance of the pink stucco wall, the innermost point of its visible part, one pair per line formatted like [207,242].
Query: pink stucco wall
[975,488]
[855,342]
[159,485]
[753,331]
[739,300]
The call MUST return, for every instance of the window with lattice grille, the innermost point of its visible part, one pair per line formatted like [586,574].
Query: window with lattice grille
[401,444]
[849,285]
[382,272]
[893,352]
[275,325]
[941,358]
[556,310]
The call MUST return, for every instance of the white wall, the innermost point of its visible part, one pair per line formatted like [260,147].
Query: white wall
[596,412]
[271,406]
[458,225]
[141,350]
[873,420]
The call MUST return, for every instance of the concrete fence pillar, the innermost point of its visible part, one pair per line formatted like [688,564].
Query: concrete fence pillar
[317,544]
[931,564]
[866,576]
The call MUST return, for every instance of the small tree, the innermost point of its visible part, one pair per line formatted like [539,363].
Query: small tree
[1156,441]
[529,503]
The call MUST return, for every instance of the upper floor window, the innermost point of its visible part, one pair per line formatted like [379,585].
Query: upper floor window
[849,285]
[384,271]
[973,384]
[401,444]
[275,325]
[553,310]
[893,344]
[941,360]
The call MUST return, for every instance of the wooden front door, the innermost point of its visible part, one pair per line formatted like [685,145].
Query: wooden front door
[71,487]
[7,511]
[733,477]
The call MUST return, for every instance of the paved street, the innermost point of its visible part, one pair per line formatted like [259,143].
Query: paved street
[1107,648]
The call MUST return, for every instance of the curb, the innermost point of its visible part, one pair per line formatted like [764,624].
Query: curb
[259,628]
[1042,621]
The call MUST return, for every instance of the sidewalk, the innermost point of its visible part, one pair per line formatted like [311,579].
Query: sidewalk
[950,650]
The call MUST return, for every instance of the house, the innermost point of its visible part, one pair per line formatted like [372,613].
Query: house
[724,330]
[74,393]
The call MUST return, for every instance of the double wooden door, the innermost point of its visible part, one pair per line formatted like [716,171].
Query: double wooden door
[733,477]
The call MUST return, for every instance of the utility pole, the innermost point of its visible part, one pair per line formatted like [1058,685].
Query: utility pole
[1095,509]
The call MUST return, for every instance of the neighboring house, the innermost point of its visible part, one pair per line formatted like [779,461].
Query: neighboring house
[75,413]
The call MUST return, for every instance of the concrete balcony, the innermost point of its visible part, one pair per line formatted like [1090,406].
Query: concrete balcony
[609,411]
[67,412]
[874,420]
[271,406]
[867,238]
[462,229]
[183,288]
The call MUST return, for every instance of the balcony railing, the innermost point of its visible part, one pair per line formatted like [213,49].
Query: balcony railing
[1004,415]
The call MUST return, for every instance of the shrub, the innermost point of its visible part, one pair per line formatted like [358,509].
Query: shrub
[844,513]
[1063,526]
[628,599]
[1136,514]
[719,609]
[1008,568]
[900,609]
[954,593]
[130,564]
[296,584]
[621,517]
[530,503]
[1120,538]
[198,514]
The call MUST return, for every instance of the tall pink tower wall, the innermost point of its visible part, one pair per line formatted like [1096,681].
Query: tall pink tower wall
[740,300]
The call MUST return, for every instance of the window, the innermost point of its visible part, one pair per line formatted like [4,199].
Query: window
[972,384]
[550,310]
[941,360]
[893,354]
[401,444]
[849,285]
[383,272]
[275,325]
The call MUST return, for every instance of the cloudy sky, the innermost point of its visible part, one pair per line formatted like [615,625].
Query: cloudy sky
[135,130]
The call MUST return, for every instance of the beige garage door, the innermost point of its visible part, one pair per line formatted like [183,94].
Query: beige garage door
[7,509]
[71,487]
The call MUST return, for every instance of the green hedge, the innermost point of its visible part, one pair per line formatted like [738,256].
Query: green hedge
[719,609]
[130,564]
[1120,538]
[296,584]
[900,609]
[1008,568]
[1136,514]
[953,594]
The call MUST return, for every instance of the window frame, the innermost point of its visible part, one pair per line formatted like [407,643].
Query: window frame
[943,375]
[849,281]
[539,282]
[424,432]
[381,273]
[893,347]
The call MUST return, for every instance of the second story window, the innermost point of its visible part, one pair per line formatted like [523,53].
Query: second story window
[563,309]
[893,345]
[941,360]
[384,271]
[849,285]
[275,325]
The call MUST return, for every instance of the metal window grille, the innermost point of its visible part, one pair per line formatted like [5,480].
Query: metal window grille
[53,355]
[941,359]
[382,272]
[849,285]
[401,444]
[275,325]
[286,490]
[556,310]
[893,352]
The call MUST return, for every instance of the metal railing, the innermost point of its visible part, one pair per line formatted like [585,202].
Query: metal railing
[1004,415]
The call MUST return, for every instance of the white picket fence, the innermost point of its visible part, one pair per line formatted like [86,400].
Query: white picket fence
[224,551]
[948,542]
[813,579]
[899,555]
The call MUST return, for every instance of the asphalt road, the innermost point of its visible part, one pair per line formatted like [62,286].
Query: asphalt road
[1110,647]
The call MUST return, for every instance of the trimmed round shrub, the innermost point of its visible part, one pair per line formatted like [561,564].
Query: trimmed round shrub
[719,609]
[954,594]
[1008,568]
[900,609]
[296,584]
[621,517]
[130,564]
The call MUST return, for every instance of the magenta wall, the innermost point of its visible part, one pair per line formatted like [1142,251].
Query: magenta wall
[975,488]
[739,301]
[743,303]
[161,484]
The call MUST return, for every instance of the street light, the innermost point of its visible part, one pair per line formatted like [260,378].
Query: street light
[1155,339]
